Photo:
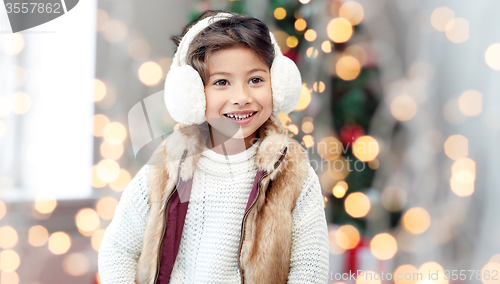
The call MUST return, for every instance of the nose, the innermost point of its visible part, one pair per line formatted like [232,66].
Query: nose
[242,95]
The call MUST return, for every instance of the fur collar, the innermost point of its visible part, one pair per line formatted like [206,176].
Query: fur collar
[268,226]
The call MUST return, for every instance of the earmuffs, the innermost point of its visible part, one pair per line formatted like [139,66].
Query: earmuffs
[184,91]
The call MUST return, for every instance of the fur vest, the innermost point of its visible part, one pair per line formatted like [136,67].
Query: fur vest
[266,240]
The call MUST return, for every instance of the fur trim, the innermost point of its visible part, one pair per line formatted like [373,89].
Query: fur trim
[189,107]
[286,84]
[266,249]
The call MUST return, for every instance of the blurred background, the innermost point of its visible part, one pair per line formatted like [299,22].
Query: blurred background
[400,113]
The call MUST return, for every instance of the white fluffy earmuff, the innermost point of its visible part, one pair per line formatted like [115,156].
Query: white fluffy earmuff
[184,91]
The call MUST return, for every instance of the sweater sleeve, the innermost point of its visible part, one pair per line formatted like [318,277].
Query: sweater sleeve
[309,261]
[122,242]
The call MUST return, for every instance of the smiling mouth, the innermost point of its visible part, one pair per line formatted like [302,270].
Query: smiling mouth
[238,117]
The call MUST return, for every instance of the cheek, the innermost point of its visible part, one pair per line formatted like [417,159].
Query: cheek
[214,105]
[267,97]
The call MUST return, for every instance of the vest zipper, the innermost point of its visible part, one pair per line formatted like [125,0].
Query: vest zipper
[250,208]
[165,215]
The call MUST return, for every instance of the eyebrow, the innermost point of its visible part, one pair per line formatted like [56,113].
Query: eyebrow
[228,74]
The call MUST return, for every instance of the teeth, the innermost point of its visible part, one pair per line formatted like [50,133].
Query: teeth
[239,117]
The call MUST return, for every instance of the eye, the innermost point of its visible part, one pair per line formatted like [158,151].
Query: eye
[256,80]
[221,83]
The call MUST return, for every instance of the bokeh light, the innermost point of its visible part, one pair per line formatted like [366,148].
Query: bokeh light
[100,123]
[45,204]
[150,73]
[300,25]
[99,90]
[347,237]
[374,164]
[114,133]
[293,128]
[491,269]
[357,52]
[115,31]
[326,46]
[281,37]
[347,68]
[312,52]
[403,107]
[21,103]
[333,245]
[462,183]
[457,30]
[102,20]
[8,237]
[435,268]
[12,44]
[9,260]
[471,103]
[329,148]
[308,141]
[340,189]
[305,98]
[492,56]
[440,17]
[357,204]
[106,207]
[456,147]
[383,246]
[292,41]
[416,220]
[339,30]
[96,181]
[121,181]
[75,264]
[279,13]
[365,148]
[9,277]
[87,220]
[338,169]
[407,270]
[59,243]
[307,127]
[108,170]
[38,236]
[111,151]
[3,209]
[310,35]
[96,239]
[319,87]
[352,11]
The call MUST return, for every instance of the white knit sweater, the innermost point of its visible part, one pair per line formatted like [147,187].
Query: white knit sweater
[208,251]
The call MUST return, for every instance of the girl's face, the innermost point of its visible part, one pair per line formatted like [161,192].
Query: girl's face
[239,84]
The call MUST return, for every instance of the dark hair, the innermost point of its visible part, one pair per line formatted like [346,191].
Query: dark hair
[232,32]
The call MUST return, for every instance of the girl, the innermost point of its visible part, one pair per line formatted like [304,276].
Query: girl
[229,197]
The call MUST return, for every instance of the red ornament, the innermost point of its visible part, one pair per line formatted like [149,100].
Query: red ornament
[349,133]
[292,54]
[352,256]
